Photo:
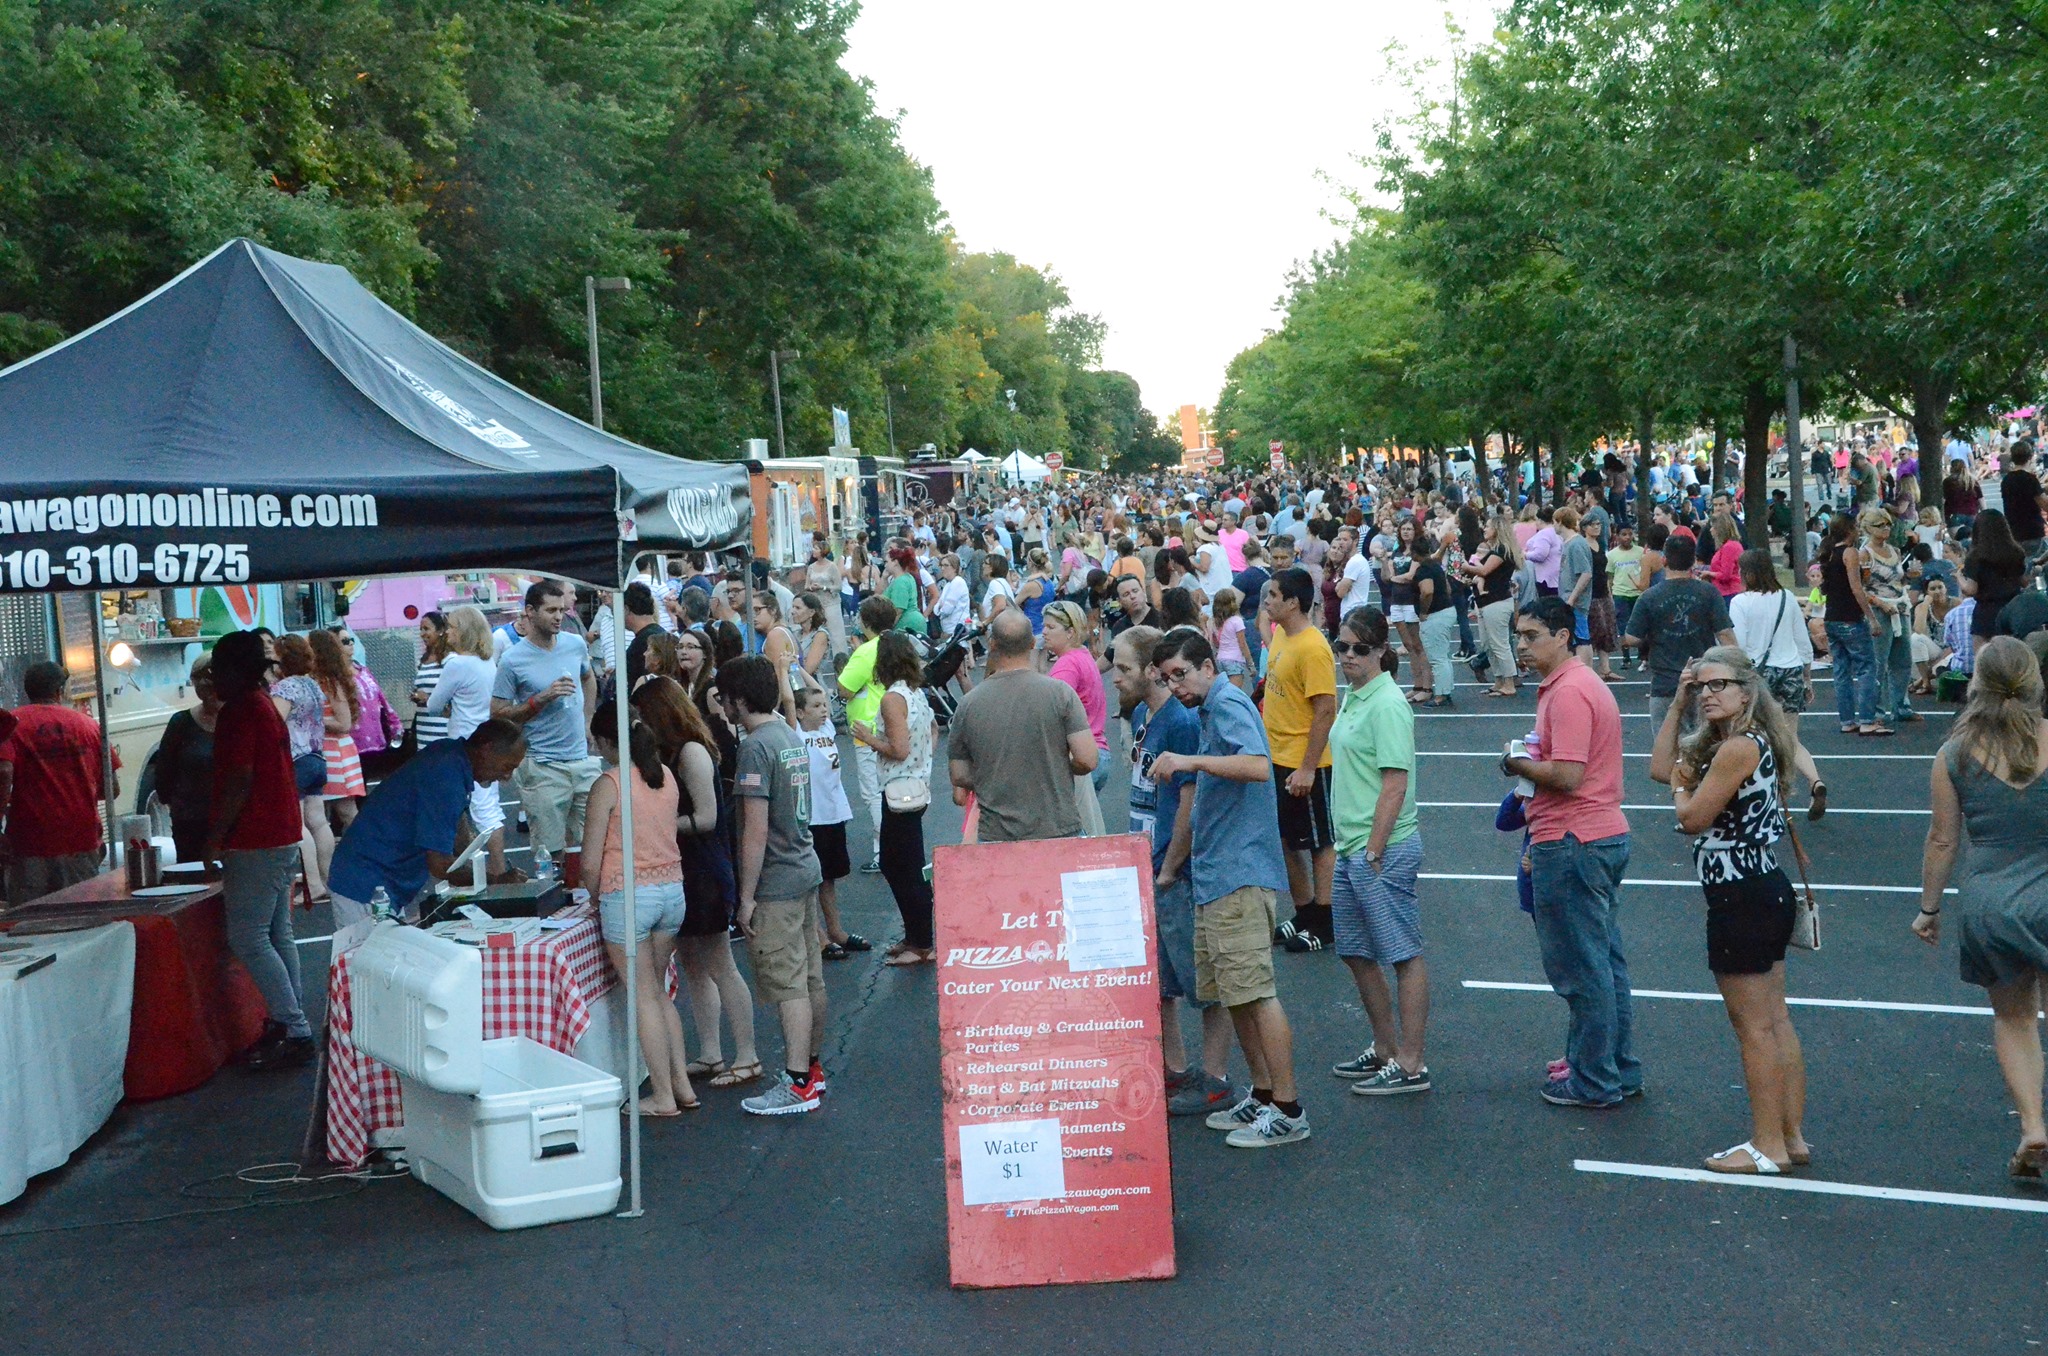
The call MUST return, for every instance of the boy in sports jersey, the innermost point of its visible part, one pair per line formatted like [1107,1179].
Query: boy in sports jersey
[831,812]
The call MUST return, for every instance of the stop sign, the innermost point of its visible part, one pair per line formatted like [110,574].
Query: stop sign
[1053,461]
[1215,456]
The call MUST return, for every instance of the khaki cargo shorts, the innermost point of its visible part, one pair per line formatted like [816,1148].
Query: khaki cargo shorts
[788,948]
[1234,947]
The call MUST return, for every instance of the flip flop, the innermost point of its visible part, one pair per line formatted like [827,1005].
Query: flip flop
[1757,1166]
[911,955]
[737,1075]
[1804,1160]
[1818,803]
[706,1068]
[2028,1162]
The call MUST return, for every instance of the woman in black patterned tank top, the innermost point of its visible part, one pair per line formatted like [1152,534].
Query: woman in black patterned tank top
[1726,782]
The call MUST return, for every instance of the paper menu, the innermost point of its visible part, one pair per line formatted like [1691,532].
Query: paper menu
[1013,1161]
[1104,921]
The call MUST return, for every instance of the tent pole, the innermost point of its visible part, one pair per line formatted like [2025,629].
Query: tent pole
[622,696]
[99,687]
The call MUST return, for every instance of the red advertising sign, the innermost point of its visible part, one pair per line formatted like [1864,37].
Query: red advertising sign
[1055,1108]
[1279,451]
[1053,461]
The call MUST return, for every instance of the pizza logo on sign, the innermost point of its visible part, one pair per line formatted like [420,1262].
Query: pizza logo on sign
[1038,952]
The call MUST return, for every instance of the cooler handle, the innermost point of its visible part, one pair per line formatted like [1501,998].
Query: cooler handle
[557,1130]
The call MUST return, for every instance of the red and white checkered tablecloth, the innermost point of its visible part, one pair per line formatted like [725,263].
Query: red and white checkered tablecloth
[542,991]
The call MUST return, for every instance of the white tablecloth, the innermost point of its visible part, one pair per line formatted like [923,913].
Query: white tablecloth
[63,1042]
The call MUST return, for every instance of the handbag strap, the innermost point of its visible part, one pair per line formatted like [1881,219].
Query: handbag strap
[1798,856]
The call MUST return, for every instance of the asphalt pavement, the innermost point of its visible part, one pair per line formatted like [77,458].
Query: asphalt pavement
[1459,1220]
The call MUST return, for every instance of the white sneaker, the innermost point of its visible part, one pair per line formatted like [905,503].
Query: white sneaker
[1271,1128]
[1237,1117]
[784,1099]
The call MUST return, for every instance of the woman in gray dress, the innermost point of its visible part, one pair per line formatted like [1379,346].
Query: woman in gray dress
[1989,781]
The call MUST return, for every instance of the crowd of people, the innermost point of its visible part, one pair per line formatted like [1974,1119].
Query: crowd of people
[1234,652]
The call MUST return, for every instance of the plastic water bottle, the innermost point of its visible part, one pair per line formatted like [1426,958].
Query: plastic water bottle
[380,904]
[543,865]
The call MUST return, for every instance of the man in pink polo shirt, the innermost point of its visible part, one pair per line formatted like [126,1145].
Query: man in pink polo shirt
[1578,850]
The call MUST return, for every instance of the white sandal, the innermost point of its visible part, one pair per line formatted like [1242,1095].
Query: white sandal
[1760,1165]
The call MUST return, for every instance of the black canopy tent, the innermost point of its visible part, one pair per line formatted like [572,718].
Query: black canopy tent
[265,419]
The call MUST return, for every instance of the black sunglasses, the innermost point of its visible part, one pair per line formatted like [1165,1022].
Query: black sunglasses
[1362,651]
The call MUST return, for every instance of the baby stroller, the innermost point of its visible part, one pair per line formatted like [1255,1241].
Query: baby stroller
[942,666]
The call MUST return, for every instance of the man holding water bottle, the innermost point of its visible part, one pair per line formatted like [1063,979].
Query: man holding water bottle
[1578,851]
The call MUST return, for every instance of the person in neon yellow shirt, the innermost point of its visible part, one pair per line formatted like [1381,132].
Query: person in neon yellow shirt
[864,704]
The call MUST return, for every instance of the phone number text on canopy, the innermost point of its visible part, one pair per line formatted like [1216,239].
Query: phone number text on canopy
[120,563]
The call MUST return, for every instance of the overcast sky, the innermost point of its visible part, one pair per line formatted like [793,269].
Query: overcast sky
[1162,158]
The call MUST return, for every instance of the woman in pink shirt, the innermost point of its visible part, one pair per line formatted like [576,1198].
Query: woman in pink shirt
[1066,640]
[1725,568]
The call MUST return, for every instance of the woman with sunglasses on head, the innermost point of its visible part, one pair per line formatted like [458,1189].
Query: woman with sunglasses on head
[1728,779]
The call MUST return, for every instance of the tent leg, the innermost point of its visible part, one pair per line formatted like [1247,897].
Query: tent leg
[622,698]
[99,687]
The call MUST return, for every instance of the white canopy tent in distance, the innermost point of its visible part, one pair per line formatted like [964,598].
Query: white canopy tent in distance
[266,419]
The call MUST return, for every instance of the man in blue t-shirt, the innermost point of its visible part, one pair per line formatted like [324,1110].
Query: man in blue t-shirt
[1159,724]
[1231,843]
[404,837]
[546,686]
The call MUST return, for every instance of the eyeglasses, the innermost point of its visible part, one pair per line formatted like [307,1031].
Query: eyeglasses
[1713,687]
[1173,676]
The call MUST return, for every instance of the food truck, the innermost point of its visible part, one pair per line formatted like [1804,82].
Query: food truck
[797,496]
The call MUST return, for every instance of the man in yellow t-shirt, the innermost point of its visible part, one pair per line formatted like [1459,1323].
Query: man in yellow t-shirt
[1301,706]
[864,704]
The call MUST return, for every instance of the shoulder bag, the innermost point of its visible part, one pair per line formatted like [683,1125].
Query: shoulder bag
[1805,912]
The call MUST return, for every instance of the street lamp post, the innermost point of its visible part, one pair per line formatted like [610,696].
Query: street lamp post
[591,287]
[777,357]
[889,413]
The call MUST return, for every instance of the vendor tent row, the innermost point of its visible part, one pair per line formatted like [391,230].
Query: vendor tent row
[265,419]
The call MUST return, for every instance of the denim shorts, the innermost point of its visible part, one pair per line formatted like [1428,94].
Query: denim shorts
[657,908]
[1174,910]
[1582,625]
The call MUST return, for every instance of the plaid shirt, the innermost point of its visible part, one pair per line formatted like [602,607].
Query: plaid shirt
[1955,634]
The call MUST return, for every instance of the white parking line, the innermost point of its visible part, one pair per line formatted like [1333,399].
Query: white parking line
[1495,805]
[1818,757]
[1873,1005]
[308,941]
[1691,884]
[1807,1185]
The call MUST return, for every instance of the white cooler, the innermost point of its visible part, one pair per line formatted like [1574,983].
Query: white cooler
[512,1131]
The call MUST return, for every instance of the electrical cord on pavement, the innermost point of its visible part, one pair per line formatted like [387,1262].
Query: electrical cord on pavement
[268,1187]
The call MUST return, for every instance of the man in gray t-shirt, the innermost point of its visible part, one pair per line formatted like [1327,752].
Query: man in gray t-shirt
[778,879]
[545,686]
[1017,741]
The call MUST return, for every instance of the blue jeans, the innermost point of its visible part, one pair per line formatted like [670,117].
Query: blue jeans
[1849,652]
[1892,662]
[1577,887]
[256,890]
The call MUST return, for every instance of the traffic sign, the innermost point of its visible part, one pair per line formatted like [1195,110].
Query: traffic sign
[1215,456]
[1053,461]
[1279,451]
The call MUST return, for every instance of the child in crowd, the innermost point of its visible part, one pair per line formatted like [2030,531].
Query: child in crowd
[830,814]
[1225,615]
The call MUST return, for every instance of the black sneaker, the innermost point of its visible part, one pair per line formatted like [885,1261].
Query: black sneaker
[272,1037]
[293,1052]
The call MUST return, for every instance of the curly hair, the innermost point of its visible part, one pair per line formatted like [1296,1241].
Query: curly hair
[1761,713]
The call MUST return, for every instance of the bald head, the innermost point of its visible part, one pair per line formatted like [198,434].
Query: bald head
[1010,641]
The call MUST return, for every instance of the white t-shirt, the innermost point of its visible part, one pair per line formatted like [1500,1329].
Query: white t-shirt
[1216,578]
[828,793]
[1771,629]
[463,693]
[997,588]
[954,606]
[1359,571]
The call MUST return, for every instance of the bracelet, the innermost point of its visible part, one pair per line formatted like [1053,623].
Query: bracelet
[1930,913]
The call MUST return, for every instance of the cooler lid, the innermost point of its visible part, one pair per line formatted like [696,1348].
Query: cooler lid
[417,1003]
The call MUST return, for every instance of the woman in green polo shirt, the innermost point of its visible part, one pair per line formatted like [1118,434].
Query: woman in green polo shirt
[1379,853]
[903,589]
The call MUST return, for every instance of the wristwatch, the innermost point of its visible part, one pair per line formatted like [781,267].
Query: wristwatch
[1372,858]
